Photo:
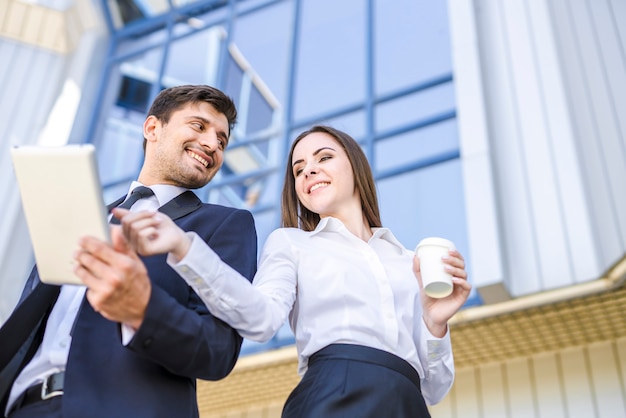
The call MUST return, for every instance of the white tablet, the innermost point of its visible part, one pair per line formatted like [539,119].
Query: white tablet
[62,201]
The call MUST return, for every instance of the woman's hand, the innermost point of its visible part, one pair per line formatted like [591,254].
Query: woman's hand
[150,233]
[437,312]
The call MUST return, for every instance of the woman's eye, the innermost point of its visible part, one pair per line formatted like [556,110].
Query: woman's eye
[325,157]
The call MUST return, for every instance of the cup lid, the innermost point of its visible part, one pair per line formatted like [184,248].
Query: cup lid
[442,242]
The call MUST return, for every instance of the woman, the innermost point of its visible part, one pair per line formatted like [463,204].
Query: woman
[369,342]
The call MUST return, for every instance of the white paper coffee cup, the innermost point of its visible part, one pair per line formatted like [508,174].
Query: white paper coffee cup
[436,280]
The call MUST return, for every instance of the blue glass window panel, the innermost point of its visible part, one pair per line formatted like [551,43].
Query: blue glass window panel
[244,6]
[180,3]
[130,11]
[424,203]
[331,57]
[144,64]
[354,124]
[264,39]
[260,115]
[150,7]
[139,44]
[203,20]
[414,107]
[119,135]
[272,188]
[127,11]
[238,189]
[233,79]
[428,203]
[266,222]
[120,151]
[416,145]
[191,60]
[134,94]
[412,42]
[221,196]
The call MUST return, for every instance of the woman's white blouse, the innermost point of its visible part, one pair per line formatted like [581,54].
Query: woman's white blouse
[335,288]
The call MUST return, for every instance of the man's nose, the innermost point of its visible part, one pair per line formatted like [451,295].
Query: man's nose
[210,140]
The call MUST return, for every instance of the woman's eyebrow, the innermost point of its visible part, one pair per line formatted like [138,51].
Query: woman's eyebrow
[314,154]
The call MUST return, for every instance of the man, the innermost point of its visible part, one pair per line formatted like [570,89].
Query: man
[132,342]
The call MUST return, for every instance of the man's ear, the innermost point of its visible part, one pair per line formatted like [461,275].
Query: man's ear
[150,127]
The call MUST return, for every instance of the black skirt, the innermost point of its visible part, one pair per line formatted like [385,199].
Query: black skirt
[353,381]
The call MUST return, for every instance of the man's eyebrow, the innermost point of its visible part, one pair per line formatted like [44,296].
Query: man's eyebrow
[314,154]
[200,118]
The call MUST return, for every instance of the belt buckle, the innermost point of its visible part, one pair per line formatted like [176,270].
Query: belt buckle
[44,389]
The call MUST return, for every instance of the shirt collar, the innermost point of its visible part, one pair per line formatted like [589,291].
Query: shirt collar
[387,235]
[330,224]
[163,192]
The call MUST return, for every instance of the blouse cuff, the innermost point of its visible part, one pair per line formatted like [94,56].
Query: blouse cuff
[437,348]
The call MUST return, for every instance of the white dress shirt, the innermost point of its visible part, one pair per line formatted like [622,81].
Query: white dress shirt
[335,288]
[51,357]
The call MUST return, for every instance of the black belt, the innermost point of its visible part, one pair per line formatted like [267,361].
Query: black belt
[368,355]
[51,386]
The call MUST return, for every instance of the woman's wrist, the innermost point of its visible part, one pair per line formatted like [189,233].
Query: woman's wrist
[181,248]
[436,329]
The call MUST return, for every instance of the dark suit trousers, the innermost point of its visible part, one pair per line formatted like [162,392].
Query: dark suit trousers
[347,381]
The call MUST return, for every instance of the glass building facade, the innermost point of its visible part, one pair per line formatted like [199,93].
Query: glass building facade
[380,70]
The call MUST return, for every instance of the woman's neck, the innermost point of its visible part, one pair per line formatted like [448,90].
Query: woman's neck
[359,228]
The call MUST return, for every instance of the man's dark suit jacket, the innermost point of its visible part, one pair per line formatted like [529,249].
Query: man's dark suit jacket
[178,341]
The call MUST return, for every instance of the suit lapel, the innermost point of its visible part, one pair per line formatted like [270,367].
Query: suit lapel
[25,318]
[22,333]
[181,205]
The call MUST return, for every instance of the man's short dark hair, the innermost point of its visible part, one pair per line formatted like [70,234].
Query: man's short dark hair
[174,98]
